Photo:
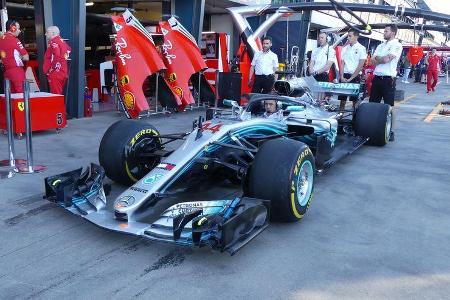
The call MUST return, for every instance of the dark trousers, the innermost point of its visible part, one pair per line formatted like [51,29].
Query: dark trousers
[383,88]
[263,84]
[322,77]
[357,79]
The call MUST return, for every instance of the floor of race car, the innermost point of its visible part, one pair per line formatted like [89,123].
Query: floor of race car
[378,227]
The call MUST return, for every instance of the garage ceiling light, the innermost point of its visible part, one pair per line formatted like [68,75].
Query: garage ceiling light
[89,3]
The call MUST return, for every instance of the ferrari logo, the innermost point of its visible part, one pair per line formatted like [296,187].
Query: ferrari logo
[124,80]
[172,77]
[20,106]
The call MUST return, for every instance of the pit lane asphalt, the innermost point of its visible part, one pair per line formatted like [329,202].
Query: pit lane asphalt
[378,227]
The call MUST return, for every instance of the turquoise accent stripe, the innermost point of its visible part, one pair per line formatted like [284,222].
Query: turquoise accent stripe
[225,139]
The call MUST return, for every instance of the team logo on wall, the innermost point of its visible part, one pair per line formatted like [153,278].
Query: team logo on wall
[124,80]
[178,91]
[172,77]
[20,106]
[128,100]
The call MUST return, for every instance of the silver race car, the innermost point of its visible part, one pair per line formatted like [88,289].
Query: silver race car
[272,149]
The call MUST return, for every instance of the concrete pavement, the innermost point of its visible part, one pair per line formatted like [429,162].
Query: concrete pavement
[378,227]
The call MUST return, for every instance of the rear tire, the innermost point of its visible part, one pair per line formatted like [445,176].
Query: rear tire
[120,149]
[283,172]
[374,120]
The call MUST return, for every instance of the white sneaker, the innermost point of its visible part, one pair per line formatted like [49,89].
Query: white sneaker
[406,81]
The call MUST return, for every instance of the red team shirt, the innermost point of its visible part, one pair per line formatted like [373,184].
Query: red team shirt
[433,62]
[11,49]
[56,55]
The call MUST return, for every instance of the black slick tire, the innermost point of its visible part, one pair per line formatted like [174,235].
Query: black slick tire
[277,175]
[120,147]
[374,120]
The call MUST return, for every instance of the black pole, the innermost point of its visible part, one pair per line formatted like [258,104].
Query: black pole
[166,8]
[303,31]
[197,16]
[41,42]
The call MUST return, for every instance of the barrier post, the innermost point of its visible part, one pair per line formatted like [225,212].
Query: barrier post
[29,168]
[157,92]
[199,87]
[11,162]
[217,89]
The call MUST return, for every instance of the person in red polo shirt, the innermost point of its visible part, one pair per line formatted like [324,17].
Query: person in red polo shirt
[55,60]
[432,62]
[13,54]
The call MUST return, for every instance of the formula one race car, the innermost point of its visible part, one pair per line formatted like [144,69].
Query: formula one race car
[272,149]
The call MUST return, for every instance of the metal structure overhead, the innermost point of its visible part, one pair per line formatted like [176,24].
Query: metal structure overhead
[371,8]
[431,27]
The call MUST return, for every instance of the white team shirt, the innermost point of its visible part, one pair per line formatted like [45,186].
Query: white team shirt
[265,62]
[319,56]
[391,47]
[351,55]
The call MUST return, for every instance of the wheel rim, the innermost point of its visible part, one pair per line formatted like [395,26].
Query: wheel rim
[305,182]
[388,126]
[135,167]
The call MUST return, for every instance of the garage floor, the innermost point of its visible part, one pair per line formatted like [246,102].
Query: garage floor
[378,227]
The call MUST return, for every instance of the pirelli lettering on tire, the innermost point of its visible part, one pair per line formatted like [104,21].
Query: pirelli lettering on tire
[141,133]
[299,211]
[300,159]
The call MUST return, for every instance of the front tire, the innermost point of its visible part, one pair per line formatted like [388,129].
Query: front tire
[283,172]
[121,148]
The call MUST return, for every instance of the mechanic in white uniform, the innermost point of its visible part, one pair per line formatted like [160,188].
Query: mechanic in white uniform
[385,59]
[322,59]
[264,66]
[354,56]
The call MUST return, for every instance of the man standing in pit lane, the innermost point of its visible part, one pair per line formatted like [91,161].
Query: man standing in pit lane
[264,66]
[385,59]
[55,60]
[432,61]
[322,59]
[353,59]
[13,54]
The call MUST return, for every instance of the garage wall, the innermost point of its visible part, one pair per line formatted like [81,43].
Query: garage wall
[224,23]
